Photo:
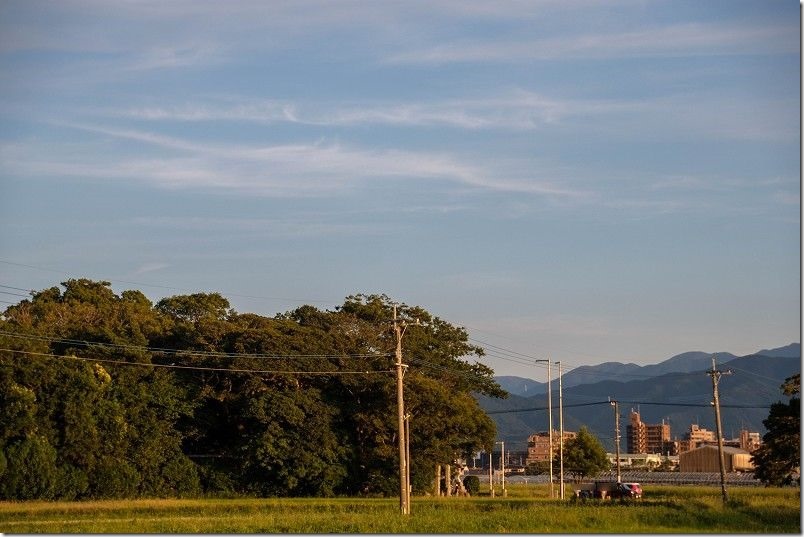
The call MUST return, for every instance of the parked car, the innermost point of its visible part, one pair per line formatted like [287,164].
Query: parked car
[608,489]
[634,490]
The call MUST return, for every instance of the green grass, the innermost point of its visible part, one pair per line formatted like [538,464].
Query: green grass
[664,509]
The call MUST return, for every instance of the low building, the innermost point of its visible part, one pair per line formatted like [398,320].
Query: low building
[707,459]
[639,460]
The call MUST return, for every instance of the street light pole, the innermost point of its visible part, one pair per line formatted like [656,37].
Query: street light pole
[561,432]
[549,421]
[502,467]
[407,458]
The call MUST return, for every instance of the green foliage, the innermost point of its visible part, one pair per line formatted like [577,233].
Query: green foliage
[472,484]
[584,456]
[109,426]
[778,458]
[31,471]
[114,478]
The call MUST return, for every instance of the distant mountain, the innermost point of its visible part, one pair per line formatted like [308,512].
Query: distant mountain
[520,385]
[790,351]
[680,398]
[588,374]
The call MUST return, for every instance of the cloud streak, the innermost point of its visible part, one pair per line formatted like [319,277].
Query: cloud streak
[275,170]
[689,39]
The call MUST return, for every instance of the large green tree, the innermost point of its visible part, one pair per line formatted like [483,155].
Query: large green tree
[72,392]
[778,459]
[585,456]
[106,395]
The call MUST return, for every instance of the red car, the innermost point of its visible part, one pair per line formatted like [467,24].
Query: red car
[631,490]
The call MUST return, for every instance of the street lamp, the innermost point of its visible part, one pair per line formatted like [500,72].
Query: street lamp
[502,466]
[561,430]
[549,420]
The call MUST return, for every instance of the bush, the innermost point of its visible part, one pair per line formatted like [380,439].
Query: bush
[114,479]
[472,484]
[31,472]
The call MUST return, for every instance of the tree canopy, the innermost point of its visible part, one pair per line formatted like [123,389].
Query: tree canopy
[778,458]
[106,395]
[584,455]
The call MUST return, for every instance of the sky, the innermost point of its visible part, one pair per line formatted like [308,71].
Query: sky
[579,181]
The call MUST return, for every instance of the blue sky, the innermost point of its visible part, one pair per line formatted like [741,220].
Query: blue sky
[580,180]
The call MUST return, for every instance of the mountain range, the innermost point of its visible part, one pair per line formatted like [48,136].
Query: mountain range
[676,391]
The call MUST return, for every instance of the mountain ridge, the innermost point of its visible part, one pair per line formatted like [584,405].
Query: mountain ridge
[679,398]
[685,362]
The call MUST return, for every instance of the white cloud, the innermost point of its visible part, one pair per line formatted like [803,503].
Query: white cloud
[275,170]
[689,39]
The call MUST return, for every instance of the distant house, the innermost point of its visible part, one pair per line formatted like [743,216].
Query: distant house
[706,459]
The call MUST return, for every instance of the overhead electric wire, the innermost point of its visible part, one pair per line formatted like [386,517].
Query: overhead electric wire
[16,288]
[211,354]
[13,294]
[172,288]
[646,403]
[194,368]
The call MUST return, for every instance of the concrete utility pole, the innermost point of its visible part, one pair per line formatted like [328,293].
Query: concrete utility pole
[561,432]
[616,406]
[715,374]
[491,471]
[399,330]
[549,421]
[502,467]
[407,459]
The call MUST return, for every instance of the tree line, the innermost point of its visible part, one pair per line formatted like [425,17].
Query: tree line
[106,395]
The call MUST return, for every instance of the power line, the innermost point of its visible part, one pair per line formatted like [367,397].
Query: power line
[645,403]
[194,368]
[211,354]
[173,288]
[14,294]
[15,288]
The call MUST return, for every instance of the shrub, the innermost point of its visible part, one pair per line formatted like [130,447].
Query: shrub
[31,472]
[472,484]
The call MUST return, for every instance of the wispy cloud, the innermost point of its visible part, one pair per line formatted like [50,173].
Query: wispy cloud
[276,170]
[689,39]
[517,109]
[150,267]
[700,115]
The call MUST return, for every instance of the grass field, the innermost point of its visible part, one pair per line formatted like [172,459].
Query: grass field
[664,509]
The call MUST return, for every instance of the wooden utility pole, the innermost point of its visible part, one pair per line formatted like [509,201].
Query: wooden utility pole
[616,406]
[399,329]
[715,374]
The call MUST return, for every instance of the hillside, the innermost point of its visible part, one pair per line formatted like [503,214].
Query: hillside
[680,398]
[680,363]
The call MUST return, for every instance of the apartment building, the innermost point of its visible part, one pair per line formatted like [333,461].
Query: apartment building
[645,438]
[539,445]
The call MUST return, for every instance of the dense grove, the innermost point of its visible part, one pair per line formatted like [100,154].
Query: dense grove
[78,418]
